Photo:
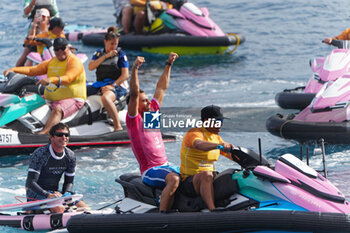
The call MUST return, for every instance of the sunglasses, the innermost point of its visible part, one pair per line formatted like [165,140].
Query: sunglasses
[60,134]
[59,48]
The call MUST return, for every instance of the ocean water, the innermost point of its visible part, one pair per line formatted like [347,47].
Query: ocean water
[281,37]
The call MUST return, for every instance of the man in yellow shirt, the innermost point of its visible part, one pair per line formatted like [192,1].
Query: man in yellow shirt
[65,83]
[199,151]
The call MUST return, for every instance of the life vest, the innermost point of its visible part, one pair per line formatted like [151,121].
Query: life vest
[108,68]
[42,4]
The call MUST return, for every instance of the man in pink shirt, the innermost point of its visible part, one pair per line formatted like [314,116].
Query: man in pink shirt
[147,144]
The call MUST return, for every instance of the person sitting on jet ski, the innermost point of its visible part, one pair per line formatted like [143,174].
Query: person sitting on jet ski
[47,164]
[345,35]
[56,27]
[199,151]
[148,145]
[137,12]
[112,71]
[65,83]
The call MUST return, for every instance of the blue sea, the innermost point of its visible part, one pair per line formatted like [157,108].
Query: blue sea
[281,37]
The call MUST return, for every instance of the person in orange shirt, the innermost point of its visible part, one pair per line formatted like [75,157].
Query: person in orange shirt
[65,83]
[345,35]
[55,31]
[199,151]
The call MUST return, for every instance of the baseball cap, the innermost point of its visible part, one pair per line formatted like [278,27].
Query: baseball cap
[212,111]
[56,22]
[45,12]
[60,42]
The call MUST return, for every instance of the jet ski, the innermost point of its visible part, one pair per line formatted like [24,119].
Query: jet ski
[325,69]
[184,29]
[289,196]
[327,117]
[23,113]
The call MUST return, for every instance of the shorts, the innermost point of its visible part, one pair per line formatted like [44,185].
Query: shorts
[68,106]
[186,186]
[155,176]
[118,91]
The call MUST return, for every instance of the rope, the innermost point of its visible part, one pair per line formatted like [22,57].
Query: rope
[281,128]
[237,42]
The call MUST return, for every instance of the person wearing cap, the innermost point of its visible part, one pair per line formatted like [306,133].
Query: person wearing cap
[56,27]
[147,145]
[112,71]
[30,7]
[65,83]
[40,24]
[199,151]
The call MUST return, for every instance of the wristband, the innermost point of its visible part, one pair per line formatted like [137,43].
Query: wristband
[136,67]
[168,63]
[115,85]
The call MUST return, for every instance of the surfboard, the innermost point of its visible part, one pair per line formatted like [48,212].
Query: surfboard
[42,204]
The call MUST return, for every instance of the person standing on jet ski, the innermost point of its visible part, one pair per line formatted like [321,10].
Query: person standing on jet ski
[148,145]
[199,151]
[47,164]
[65,83]
[112,71]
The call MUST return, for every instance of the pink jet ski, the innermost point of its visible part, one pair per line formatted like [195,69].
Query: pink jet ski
[184,29]
[326,117]
[325,69]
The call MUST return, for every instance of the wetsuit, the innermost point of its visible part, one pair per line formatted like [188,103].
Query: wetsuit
[46,169]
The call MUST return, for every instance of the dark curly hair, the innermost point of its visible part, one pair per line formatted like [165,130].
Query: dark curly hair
[112,33]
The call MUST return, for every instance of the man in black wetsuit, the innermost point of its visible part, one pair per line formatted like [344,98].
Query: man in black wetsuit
[46,166]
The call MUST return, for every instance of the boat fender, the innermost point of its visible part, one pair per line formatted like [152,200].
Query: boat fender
[27,223]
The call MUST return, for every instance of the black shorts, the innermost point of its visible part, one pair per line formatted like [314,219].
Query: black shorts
[186,187]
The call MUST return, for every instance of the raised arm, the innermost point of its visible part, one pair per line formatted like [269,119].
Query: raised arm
[29,7]
[133,104]
[164,79]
